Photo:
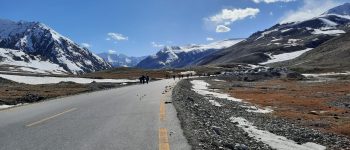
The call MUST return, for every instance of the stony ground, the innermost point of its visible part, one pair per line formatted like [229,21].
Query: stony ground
[209,127]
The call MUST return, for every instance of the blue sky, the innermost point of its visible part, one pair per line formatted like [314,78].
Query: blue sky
[141,27]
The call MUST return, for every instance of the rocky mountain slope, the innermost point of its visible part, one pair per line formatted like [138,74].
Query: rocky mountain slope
[333,55]
[183,56]
[121,60]
[35,47]
[285,38]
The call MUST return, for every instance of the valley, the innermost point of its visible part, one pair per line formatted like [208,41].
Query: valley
[157,85]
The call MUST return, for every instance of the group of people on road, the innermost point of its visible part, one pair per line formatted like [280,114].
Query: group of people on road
[144,79]
[181,76]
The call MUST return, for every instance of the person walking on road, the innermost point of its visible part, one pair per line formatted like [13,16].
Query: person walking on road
[174,77]
[140,78]
[147,79]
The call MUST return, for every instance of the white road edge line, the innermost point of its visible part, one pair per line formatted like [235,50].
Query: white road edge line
[51,117]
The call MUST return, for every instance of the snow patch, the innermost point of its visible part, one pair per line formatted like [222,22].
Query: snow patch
[51,80]
[201,87]
[328,22]
[217,80]
[327,74]
[275,40]
[286,30]
[328,32]
[293,42]
[33,64]
[273,140]
[188,72]
[74,67]
[210,46]
[285,56]
[255,109]
[215,103]
[8,106]
[266,33]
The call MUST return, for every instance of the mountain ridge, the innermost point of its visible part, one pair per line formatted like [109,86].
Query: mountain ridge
[183,56]
[121,60]
[37,39]
[261,46]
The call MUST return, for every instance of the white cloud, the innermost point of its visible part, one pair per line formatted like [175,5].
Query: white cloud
[111,51]
[272,1]
[227,16]
[210,39]
[86,45]
[116,36]
[154,44]
[310,9]
[222,28]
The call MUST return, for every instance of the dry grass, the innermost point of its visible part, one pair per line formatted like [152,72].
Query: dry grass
[135,73]
[13,92]
[306,103]
[130,73]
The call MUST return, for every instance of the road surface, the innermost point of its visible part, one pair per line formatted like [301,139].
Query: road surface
[133,117]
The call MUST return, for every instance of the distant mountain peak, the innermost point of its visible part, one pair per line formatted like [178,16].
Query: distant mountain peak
[183,56]
[170,48]
[340,10]
[121,60]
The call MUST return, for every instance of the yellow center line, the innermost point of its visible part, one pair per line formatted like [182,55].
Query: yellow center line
[163,139]
[51,117]
[162,111]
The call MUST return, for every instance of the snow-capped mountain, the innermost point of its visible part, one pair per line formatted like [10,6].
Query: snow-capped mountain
[288,37]
[26,43]
[331,56]
[183,56]
[121,60]
[340,10]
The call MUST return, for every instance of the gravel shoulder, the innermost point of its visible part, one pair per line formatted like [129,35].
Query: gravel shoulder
[207,126]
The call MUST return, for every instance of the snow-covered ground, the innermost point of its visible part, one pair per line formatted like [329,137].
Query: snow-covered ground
[266,33]
[33,64]
[201,87]
[203,47]
[215,103]
[327,74]
[217,80]
[273,140]
[256,109]
[328,32]
[49,80]
[8,106]
[285,56]
[188,73]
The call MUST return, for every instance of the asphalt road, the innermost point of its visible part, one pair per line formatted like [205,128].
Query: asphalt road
[133,117]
